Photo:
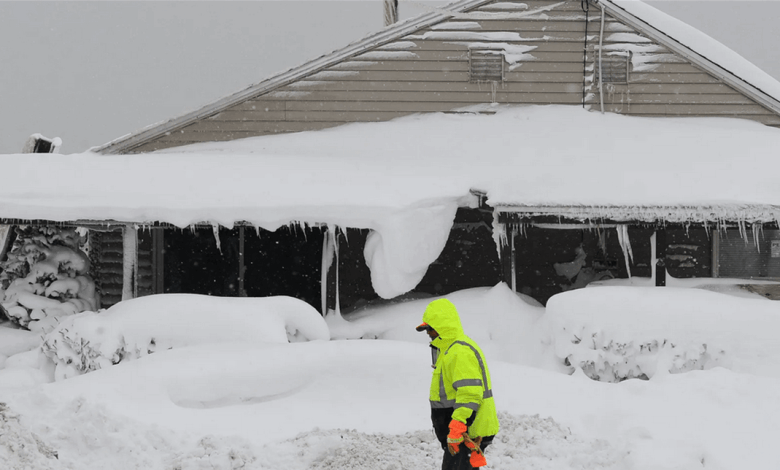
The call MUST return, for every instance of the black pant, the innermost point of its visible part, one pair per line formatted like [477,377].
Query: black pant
[459,461]
[441,417]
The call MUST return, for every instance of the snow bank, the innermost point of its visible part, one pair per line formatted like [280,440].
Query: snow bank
[142,326]
[323,404]
[20,448]
[501,321]
[14,341]
[615,333]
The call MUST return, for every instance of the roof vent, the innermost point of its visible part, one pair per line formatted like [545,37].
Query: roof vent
[615,68]
[37,143]
[486,65]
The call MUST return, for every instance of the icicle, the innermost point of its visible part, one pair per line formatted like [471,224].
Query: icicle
[215,230]
[743,230]
[499,234]
[336,251]
[756,234]
[327,260]
[602,236]
[344,233]
[129,257]
[330,252]
[625,245]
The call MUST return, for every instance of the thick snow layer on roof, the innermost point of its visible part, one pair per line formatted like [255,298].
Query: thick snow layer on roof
[703,44]
[364,175]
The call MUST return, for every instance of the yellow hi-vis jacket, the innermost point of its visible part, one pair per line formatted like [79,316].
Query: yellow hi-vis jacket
[461,379]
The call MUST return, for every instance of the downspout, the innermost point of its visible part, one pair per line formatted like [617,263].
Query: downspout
[586,8]
[601,76]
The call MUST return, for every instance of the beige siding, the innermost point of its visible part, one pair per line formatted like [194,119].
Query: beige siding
[428,71]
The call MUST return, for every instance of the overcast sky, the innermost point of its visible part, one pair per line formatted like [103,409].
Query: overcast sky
[89,72]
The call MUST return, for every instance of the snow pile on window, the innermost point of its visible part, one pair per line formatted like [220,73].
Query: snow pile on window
[618,333]
[135,328]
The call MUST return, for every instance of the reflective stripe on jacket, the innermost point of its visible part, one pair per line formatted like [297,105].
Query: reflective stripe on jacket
[461,379]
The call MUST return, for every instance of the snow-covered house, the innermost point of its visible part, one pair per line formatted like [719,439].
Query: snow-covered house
[633,156]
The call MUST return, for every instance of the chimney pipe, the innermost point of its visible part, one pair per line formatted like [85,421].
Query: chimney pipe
[391,12]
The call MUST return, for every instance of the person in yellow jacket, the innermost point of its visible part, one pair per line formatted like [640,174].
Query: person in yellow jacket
[463,412]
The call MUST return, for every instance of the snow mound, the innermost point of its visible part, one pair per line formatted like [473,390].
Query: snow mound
[15,341]
[617,333]
[533,442]
[500,320]
[528,442]
[20,448]
[142,326]
[219,453]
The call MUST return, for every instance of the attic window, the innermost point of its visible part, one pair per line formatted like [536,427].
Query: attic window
[486,65]
[615,67]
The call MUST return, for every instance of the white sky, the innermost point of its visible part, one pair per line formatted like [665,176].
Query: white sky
[89,72]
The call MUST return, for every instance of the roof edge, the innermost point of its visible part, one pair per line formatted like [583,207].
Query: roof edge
[705,213]
[380,38]
[710,66]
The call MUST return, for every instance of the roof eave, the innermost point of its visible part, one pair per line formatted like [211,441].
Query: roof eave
[682,214]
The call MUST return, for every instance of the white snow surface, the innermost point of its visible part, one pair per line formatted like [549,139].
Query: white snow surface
[352,403]
[333,176]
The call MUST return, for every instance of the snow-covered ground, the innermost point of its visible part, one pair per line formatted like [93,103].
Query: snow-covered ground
[247,398]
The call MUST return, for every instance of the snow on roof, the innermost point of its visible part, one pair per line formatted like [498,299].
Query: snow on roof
[365,174]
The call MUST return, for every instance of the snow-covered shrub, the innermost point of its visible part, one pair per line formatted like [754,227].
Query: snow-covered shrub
[135,328]
[618,333]
[608,360]
[45,277]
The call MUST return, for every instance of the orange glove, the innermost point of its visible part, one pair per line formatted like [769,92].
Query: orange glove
[477,458]
[455,437]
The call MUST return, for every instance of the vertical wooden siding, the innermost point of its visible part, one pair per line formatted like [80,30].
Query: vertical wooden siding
[428,72]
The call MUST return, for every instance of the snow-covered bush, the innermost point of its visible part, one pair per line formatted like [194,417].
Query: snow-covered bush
[45,277]
[617,333]
[608,360]
[135,328]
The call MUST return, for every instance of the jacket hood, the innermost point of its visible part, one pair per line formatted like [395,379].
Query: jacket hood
[443,317]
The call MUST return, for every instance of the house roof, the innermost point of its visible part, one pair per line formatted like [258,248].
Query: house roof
[681,38]
[384,36]
[538,159]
